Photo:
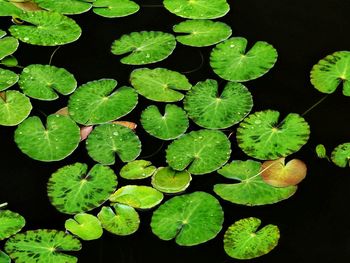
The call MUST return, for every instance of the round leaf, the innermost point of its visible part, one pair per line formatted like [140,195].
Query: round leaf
[7,79]
[170,181]
[243,240]
[144,47]
[8,9]
[72,189]
[108,140]
[85,226]
[262,137]
[115,8]
[191,219]
[2,33]
[8,46]
[231,62]
[9,61]
[4,258]
[199,152]
[169,126]
[321,151]
[68,7]
[138,169]
[341,155]
[53,142]
[10,223]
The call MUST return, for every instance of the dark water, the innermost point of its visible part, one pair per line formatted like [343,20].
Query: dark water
[314,224]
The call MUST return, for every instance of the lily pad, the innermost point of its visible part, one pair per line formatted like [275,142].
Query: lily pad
[8,46]
[46,29]
[160,84]
[243,240]
[115,8]
[232,62]
[43,82]
[8,78]
[72,189]
[85,226]
[341,155]
[68,7]
[190,219]
[202,33]
[197,9]
[142,197]
[170,181]
[42,246]
[250,189]
[263,137]
[200,152]
[145,47]
[138,169]
[331,72]
[122,220]
[2,33]
[53,142]
[10,223]
[172,124]
[9,61]
[14,108]
[209,109]
[8,9]
[108,140]
[4,258]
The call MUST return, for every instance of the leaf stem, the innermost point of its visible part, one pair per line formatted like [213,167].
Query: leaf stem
[315,105]
[53,54]
[197,68]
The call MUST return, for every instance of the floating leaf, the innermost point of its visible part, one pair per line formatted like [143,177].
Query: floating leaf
[8,9]
[199,152]
[202,33]
[95,102]
[42,246]
[243,240]
[14,108]
[46,29]
[142,197]
[27,5]
[231,62]
[43,82]
[197,9]
[4,258]
[170,181]
[279,174]
[68,7]
[127,124]
[145,47]
[10,223]
[321,151]
[159,84]
[115,8]
[9,61]
[85,132]
[341,155]
[53,142]
[170,125]
[2,33]
[262,137]
[85,226]
[138,169]
[72,189]
[209,109]
[251,189]
[7,79]
[191,219]
[331,72]
[123,221]
[8,46]
[108,140]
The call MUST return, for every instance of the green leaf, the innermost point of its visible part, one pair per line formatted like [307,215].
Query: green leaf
[68,7]
[2,33]
[122,220]
[263,137]
[8,78]
[98,102]
[142,197]
[9,61]
[108,140]
[8,9]
[8,46]
[46,29]
[209,109]
[332,71]
[4,258]
[160,84]
[200,152]
[14,108]
[138,169]
[321,151]
[197,9]
[42,246]
[250,189]
[53,142]
[115,8]
[72,189]
[85,226]
[170,181]
[172,124]
[243,240]
[145,47]
[202,33]
[10,223]
[232,62]
[341,155]
[191,219]
[43,82]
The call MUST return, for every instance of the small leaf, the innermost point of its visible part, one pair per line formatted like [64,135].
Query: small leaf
[341,155]
[68,7]
[321,151]
[8,78]
[10,223]
[138,169]
[115,8]
[2,33]
[9,61]
[85,226]
[170,181]
[8,46]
